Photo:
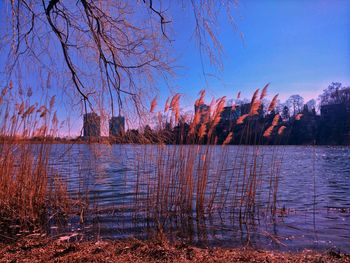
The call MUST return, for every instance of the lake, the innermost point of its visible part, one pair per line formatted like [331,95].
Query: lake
[136,190]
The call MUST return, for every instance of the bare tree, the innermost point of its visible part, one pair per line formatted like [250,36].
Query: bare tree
[295,104]
[311,105]
[113,47]
[335,94]
[285,113]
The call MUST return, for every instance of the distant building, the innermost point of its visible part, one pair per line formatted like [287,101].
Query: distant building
[92,125]
[204,111]
[116,126]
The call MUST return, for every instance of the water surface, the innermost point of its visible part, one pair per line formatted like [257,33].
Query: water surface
[313,200]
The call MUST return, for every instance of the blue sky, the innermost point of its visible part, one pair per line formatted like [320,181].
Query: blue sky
[298,46]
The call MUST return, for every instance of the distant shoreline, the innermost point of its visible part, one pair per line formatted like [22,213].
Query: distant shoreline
[106,140]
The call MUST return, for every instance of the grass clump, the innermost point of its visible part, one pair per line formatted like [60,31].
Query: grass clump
[29,197]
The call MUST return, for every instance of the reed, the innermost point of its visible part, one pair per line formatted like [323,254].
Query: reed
[197,181]
[29,199]
[176,187]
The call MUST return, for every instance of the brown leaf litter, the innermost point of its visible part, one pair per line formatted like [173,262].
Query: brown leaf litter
[38,249]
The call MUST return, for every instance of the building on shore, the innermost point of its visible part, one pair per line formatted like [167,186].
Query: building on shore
[116,126]
[92,125]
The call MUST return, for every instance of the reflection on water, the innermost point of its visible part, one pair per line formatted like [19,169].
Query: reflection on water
[312,205]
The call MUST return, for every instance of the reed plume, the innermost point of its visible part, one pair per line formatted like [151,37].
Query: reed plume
[202,93]
[212,107]
[43,113]
[153,104]
[200,100]
[254,97]
[254,109]
[275,120]
[273,103]
[3,92]
[268,131]
[202,130]
[175,106]
[21,108]
[241,119]
[177,115]
[175,101]
[281,130]
[195,121]
[166,107]
[228,138]
[52,102]
[220,104]
[29,111]
[264,91]
[298,117]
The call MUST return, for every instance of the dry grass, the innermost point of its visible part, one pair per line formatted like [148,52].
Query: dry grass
[183,183]
[27,193]
[176,186]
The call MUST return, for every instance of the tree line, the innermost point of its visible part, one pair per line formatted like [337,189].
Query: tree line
[324,122]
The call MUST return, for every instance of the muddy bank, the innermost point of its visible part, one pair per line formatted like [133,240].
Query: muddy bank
[41,249]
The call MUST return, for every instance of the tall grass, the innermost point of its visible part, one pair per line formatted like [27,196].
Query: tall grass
[195,182]
[176,187]
[28,197]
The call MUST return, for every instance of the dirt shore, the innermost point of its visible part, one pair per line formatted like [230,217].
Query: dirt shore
[38,249]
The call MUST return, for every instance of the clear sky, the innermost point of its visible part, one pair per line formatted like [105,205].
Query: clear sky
[299,47]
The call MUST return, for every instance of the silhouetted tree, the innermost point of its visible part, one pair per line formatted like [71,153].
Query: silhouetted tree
[335,94]
[330,94]
[279,106]
[265,105]
[311,104]
[285,113]
[335,111]
[295,104]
